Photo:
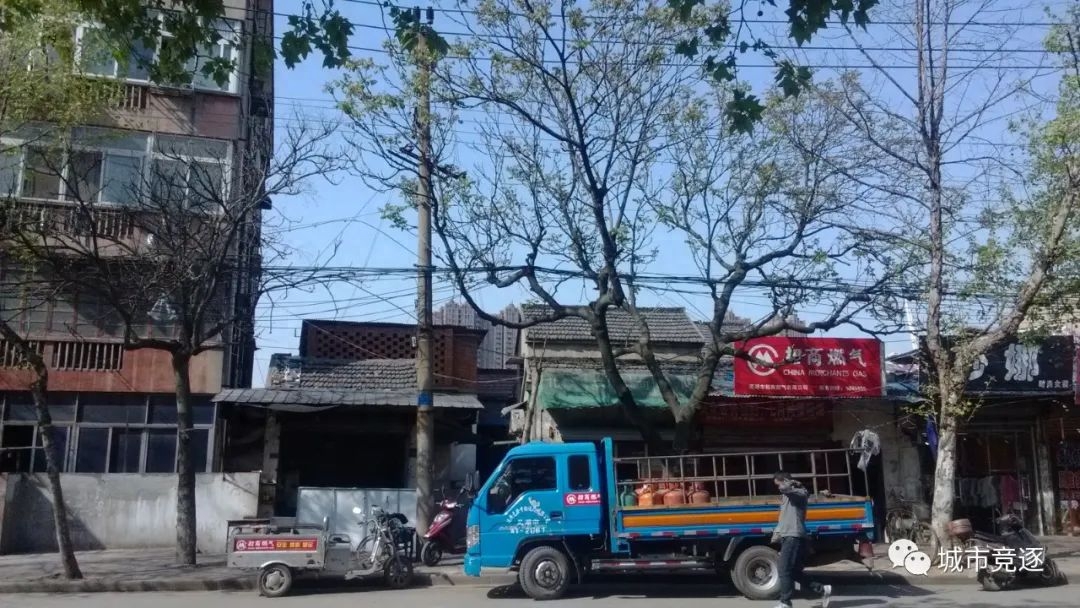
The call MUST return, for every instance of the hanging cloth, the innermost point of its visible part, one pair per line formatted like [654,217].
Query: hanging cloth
[868,443]
[931,436]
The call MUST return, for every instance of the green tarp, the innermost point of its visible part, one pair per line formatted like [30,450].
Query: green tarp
[571,389]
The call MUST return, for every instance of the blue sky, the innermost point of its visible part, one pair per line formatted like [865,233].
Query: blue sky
[343,219]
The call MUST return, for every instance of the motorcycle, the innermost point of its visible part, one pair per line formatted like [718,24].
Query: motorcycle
[447,531]
[1016,555]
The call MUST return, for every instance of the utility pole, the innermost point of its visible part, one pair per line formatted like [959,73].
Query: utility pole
[425,416]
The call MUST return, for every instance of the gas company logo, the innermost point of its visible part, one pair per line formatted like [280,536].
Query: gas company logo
[581,498]
[765,353]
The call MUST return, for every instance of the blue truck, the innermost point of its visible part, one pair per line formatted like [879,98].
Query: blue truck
[556,513]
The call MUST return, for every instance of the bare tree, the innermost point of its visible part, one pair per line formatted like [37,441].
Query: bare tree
[584,115]
[988,228]
[43,92]
[176,257]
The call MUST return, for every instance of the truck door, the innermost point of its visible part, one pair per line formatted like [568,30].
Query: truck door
[582,499]
[524,502]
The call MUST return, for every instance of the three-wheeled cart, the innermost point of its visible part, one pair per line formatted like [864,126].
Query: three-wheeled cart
[283,551]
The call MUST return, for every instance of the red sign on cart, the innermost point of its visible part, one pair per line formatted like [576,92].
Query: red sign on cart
[576,499]
[248,545]
[810,367]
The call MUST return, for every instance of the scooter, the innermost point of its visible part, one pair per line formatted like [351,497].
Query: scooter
[447,531]
[1024,560]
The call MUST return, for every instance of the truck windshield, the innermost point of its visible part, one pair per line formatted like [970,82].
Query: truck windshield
[521,475]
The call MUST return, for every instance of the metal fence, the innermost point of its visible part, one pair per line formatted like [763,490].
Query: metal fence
[336,504]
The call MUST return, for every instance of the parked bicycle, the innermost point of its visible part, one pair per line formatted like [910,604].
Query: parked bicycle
[901,521]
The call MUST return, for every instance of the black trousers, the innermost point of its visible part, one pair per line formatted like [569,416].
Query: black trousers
[792,561]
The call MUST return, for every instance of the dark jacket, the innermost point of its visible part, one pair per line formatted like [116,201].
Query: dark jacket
[792,520]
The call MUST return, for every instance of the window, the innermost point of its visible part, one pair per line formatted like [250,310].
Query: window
[98,57]
[125,449]
[528,475]
[188,171]
[580,473]
[92,455]
[107,166]
[41,173]
[104,433]
[161,451]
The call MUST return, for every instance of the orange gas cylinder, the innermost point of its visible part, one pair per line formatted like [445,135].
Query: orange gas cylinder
[675,497]
[700,496]
[646,499]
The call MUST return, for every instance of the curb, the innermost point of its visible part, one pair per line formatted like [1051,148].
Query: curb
[246,582]
[92,585]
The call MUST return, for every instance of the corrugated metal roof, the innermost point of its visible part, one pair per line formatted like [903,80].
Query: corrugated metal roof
[671,325]
[304,399]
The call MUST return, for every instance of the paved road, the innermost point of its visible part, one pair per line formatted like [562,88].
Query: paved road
[474,597]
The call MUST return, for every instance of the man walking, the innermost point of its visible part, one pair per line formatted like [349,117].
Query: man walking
[790,533]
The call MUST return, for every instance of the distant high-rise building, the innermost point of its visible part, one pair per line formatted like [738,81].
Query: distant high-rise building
[500,342]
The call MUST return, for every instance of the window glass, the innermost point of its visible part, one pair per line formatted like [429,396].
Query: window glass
[163,409]
[138,63]
[113,408]
[168,183]
[16,441]
[9,171]
[63,315]
[207,185]
[85,175]
[95,54]
[123,177]
[126,447]
[580,473]
[528,475]
[41,179]
[161,451]
[60,441]
[92,452]
[202,411]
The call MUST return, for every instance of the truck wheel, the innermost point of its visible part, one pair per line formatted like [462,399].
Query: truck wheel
[545,573]
[275,580]
[432,553]
[757,573]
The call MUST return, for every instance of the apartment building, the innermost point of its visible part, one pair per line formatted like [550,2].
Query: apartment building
[114,407]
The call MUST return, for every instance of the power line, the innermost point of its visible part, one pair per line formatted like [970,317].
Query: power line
[465,11]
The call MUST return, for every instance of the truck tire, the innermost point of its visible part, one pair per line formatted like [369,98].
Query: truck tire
[757,573]
[275,580]
[544,573]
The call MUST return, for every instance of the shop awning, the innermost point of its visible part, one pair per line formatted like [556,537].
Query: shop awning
[573,389]
[307,400]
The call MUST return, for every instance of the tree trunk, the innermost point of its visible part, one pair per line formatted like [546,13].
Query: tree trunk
[39,393]
[186,540]
[945,473]
[684,431]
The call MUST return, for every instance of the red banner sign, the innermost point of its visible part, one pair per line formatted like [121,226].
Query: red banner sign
[576,499]
[810,367]
[248,545]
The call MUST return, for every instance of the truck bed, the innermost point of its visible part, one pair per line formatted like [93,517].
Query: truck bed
[740,516]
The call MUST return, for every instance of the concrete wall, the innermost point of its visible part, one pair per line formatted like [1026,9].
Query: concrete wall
[899,459]
[122,510]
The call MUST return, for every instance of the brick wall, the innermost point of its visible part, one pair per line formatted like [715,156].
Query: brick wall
[139,371]
[455,352]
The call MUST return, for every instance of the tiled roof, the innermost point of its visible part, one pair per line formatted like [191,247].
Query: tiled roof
[368,374]
[670,325]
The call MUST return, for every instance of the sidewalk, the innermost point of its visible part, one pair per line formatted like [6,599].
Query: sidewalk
[154,570]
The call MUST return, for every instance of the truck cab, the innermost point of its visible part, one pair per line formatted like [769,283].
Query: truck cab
[541,493]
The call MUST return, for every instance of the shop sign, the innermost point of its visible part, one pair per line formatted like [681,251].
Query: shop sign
[247,545]
[780,366]
[1045,366]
